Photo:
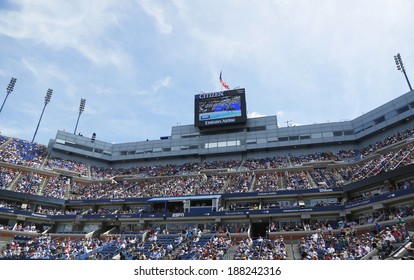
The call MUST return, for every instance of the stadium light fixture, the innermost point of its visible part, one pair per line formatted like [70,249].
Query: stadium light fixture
[47,100]
[81,109]
[400,67]
[9,89]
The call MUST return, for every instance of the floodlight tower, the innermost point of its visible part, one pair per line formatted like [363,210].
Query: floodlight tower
[81,109]
[400,67]
[10,88]
[47,100]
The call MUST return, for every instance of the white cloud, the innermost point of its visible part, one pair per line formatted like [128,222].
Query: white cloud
[157,12]
[44,71]
[305,62]
[255,115]
[79,25]
[161,83]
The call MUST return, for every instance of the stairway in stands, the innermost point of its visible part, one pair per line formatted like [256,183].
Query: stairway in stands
[292,251]
[231,251]
[3,244]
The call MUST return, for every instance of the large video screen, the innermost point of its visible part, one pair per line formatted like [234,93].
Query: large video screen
[220,108]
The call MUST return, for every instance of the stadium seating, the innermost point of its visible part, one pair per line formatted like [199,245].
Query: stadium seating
[289,172]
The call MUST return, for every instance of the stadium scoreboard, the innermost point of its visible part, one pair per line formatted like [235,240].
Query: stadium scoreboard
[220,108]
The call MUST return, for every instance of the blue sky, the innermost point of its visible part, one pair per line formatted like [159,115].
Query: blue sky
[139,63]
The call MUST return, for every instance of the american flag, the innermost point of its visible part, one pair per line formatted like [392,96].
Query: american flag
[223,83]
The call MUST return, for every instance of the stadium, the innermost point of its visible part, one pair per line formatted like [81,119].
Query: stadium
[235,188]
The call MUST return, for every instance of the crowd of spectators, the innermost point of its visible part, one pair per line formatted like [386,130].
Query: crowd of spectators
[22,152]
[29,183]
[19,227]
[9,205]
[290,160]
[280,204]
[212,184]
[313,157]
[349,245]
[326,178]
[267,163]
[243,206]
[48,210]
[43,209]
[146,171]
[321,244]
[261,249]
[132,247]
[46,248]
[218,183]
[388,141]
[6,177]
[96,191]
[171,186]
[33,155]
[266,182]
[239,183]
[3,139]
[379,164]
[157,244]
[229,165]
[55,187]
[25,228]
[296,180]
[98,172]
[70,165]
[5,227]
[215,248]
[234,227]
